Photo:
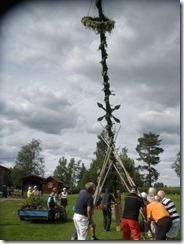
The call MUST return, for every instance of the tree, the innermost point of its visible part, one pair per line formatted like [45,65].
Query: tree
[149,150]
[28,162]
[176,165]
[68,172]
[84,177]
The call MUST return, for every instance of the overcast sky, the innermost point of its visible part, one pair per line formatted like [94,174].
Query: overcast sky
[51,79]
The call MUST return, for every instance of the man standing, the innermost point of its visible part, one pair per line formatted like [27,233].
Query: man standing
[171,208]
[130,224]
[107,199]
[82,217]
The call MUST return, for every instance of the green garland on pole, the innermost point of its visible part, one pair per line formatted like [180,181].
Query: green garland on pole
[94,23]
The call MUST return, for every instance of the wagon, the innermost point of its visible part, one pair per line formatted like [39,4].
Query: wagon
[37,214]
[33,214]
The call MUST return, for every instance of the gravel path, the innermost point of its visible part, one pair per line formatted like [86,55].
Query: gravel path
[2,199]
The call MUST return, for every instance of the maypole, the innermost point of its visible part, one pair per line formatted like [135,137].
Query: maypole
[101,25]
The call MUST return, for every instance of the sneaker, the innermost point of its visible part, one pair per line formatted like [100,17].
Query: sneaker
[93,238]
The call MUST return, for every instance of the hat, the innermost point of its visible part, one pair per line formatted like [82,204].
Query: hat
[133,189]
[144,195]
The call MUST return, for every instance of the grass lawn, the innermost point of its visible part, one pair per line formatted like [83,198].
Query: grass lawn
[14,229]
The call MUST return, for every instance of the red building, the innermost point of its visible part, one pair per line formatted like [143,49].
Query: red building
[50,183]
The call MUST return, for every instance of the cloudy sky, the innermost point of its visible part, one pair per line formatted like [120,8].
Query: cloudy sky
[51,79]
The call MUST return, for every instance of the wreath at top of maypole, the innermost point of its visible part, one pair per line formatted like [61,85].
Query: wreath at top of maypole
[99,26]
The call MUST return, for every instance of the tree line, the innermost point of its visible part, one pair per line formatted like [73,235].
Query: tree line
[75,174]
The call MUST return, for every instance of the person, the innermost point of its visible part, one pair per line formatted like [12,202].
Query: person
[55,189]
[83,213]
[63,196]
[142,224]
[130,224]
[61,209]
[107,199]
[156,212]
[36,191]
[152,226]
[74,236]
[52,206]
[5,191]
[56,198]
[92,224]
[30,192]
[171,208]
[152,191]
[93,232]
[144,196]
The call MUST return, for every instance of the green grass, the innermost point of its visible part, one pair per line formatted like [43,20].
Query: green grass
[14,229]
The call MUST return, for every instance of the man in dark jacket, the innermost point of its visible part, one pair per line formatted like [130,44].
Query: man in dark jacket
[130,224]
[107,199]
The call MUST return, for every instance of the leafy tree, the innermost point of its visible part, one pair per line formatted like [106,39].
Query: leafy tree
[28,162]
[176,165]
[149,150]
[68,172]
[60,171]
[83,177]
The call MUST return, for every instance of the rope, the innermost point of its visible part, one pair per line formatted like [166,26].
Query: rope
[89,8]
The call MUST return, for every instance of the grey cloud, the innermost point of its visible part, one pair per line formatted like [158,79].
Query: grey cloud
[95,129]
[46,43]
[41,111]
[148,54]
[159,122]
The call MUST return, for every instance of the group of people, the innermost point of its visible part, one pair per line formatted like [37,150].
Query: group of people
[33,191]
[159,214]
[56,204]
[60,199]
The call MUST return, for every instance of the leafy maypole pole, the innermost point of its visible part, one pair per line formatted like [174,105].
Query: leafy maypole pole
[101,25]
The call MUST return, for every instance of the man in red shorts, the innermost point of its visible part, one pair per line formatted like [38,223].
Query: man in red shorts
[130,224]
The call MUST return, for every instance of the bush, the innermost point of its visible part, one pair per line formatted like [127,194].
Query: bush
[34,203]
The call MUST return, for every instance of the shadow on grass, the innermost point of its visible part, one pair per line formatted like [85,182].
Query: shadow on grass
[38,221]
